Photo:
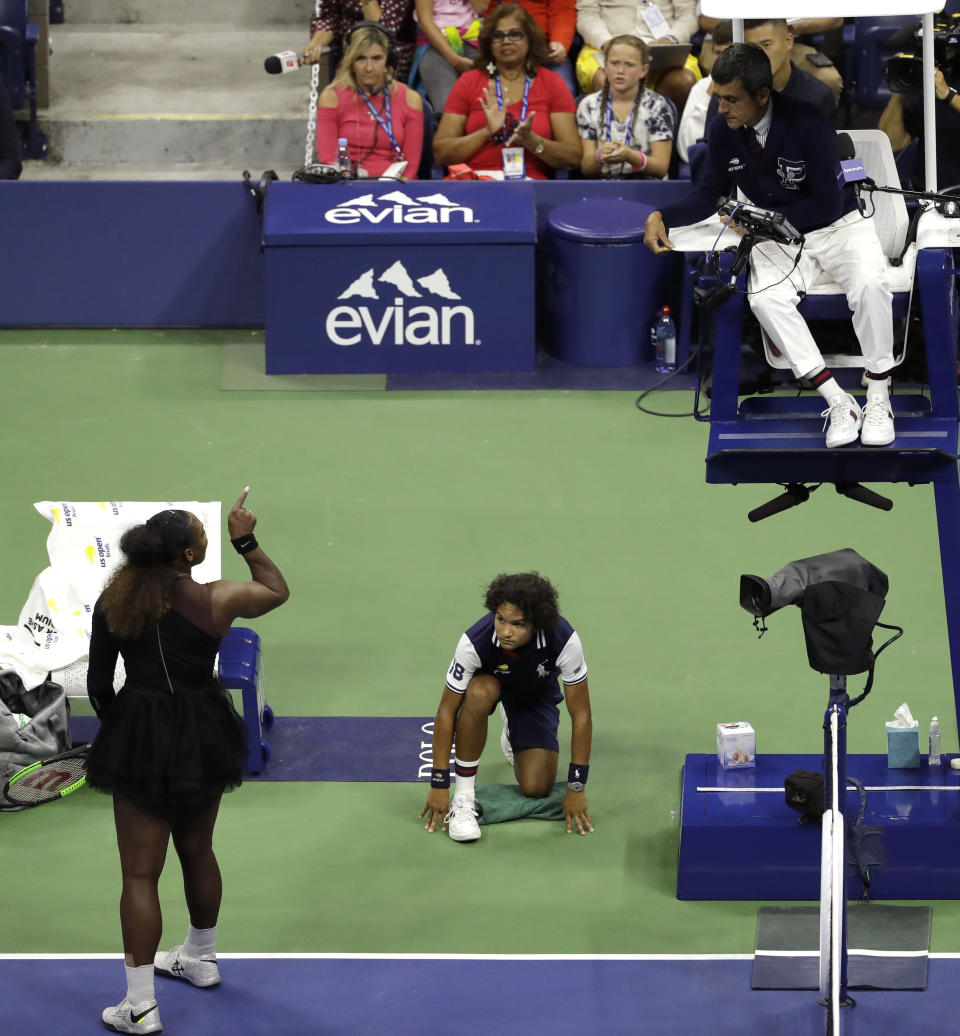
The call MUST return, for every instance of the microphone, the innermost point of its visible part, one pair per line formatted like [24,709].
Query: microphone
[849,168]
[285,61]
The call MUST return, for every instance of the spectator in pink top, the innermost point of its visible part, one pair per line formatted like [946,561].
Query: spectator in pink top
[509,100]
[381,119]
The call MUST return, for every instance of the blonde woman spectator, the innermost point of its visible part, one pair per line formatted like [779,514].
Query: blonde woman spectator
[381,119]
[625,129]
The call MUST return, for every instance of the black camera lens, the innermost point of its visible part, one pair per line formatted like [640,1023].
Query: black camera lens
[904,74]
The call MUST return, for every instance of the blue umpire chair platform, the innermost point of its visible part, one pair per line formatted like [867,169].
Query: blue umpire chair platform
[241,669]
[738,841]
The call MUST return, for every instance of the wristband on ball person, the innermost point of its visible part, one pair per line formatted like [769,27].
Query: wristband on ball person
[577,776]
[244,544]
[440,779]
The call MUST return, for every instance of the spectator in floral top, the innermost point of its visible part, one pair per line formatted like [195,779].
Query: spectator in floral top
[625,129]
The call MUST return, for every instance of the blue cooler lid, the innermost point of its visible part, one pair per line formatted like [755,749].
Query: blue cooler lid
[601,221]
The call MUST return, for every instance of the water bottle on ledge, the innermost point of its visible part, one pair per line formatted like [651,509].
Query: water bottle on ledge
[934,742]
[343,155]
[663,336]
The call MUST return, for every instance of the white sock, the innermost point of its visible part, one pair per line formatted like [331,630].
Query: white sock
[877,389]
[466,781]
[200,942]
[831,391]
[140,984]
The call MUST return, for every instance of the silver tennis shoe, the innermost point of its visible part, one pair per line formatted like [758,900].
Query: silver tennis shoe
[127,1018]
[198,971]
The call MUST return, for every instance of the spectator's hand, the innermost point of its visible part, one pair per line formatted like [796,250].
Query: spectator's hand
[524,135]
[655,234]
[663,41]
[610,151]
[437,807]
[463,64]
[556,52]
[599,80]
[496,116]
[575,810]
[313,51]
[240,521]
[940,85]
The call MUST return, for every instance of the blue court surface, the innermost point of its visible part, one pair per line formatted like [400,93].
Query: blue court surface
[405,995]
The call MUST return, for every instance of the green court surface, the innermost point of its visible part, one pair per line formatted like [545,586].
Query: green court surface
[389,512]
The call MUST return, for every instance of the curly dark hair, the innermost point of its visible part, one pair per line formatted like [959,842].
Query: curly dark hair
[528,591]
[537,52]
[138,593]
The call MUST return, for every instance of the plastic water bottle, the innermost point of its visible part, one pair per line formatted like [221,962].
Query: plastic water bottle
[934,742]
[663,336]
[343,155]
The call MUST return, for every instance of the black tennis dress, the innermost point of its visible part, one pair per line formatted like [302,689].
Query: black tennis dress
[171,737]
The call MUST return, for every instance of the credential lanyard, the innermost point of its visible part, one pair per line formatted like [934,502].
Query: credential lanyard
[385,126]
[523,103]
[606,129]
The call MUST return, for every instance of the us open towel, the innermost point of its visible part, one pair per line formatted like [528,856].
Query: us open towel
[499,802]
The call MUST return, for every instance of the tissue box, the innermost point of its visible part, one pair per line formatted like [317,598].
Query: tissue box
[903,746]
[736,745]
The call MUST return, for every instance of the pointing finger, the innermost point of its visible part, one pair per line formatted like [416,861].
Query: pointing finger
[241,498]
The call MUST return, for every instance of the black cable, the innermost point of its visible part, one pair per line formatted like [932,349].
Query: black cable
[659,385]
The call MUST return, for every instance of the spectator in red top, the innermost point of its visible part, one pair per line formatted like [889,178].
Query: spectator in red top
[509,100]
[338,16]
[381,119]
[558,23]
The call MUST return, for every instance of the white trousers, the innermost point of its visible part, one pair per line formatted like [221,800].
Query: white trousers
[849,253]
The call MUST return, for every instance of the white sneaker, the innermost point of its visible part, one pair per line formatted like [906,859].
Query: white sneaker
[125,1018]
[461,821]
[505,745]
[842,420]
[198,971]
[877,427]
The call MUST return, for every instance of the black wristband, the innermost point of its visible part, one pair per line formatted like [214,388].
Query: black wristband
[440,779]
[948,100]
[244,544]
[577,773]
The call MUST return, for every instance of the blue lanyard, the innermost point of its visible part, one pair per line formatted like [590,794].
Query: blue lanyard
[629,137]
[385,126]
[526,96]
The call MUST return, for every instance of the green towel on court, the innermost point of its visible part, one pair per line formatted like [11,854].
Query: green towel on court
[499,802]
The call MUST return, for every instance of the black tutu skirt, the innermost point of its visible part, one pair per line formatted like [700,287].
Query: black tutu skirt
[167,750]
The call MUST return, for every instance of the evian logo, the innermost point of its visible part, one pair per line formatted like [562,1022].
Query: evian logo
[397,207]
[399,324]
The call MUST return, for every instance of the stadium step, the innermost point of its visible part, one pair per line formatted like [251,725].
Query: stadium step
[135,97]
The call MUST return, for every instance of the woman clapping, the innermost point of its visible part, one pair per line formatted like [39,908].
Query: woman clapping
[509,100]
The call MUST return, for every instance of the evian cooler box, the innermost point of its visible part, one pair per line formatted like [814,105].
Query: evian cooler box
[384,278]
[736,745]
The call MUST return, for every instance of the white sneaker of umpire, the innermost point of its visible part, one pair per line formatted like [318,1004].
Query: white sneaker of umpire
[505,745]
[461,821]
[198,971]
[126,1018]
[842,420]
[877,427]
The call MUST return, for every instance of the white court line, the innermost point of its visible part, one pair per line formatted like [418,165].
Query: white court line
[640,957]
[850,953]
[852,790]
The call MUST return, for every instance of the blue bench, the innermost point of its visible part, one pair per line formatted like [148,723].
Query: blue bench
[241,669]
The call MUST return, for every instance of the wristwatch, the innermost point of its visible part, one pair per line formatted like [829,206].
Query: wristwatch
[950,96]
[538,150]
[575,785]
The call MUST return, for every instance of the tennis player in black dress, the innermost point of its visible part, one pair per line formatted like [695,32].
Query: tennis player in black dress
[170,742]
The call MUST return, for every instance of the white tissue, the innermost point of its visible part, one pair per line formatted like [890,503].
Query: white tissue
[903,717]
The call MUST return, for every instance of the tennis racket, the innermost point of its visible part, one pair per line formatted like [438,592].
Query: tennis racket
[48,780]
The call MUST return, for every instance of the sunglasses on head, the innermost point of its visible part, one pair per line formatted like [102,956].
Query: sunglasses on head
[514,35]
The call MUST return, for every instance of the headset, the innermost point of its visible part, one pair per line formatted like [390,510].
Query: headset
[391,50]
